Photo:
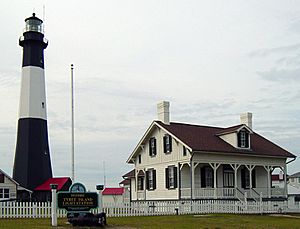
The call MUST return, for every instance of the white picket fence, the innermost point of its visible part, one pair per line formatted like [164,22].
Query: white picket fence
[43,209]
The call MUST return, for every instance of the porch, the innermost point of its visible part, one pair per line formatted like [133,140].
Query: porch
[200,180]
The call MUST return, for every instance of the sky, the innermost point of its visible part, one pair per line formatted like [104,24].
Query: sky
[211,59]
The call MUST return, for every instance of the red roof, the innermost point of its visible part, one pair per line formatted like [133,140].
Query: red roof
[113,191]
[60,181]
[129,174]
[125,182]
[204,138]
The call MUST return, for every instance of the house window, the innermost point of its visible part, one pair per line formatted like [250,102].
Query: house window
[151,179]
[243,139]
[228,175]
[140,183]
[245,176]
[4,193]
[140,159]
[167,143]
[207,178]
[184,153]
[152,147]
[171,177]
[298,179]
[1,178]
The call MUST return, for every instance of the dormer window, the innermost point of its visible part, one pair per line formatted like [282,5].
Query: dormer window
[243,139]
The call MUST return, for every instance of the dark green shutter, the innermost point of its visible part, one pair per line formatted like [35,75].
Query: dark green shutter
[247,140]
[170,143]
[147,180]
[243,181]
[239,139]
[154,139]
[203,185]
[253,179]
[150,147]
[175,177]
[165,143]
[167,177]
[154,179]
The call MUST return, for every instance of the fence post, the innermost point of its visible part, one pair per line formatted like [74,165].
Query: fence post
[246,207]
[34,207]
[100,188]
[53,205]
[260,204]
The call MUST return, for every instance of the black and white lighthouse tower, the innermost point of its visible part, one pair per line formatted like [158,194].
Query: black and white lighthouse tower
[32,165]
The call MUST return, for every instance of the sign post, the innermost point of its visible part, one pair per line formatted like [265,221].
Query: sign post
[100,189]
[53,205]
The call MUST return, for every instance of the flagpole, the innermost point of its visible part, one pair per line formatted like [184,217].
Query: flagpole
[72,119]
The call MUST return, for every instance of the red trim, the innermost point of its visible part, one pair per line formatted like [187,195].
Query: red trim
[113,191]
[60,181]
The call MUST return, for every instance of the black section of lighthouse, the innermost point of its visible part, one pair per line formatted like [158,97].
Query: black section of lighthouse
[32,165]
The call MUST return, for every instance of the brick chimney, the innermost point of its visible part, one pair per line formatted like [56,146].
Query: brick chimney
[163,113]
[246,118]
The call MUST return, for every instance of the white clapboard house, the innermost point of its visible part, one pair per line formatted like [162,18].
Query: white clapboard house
[179,161]
[8,187]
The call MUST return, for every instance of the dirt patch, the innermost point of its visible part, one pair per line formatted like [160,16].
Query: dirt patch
[287,216]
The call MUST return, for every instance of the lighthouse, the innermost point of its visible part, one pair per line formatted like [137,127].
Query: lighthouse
[32,164]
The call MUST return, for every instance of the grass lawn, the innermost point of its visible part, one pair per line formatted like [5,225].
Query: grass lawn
[187,221]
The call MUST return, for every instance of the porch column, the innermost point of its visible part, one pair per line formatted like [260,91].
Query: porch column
[285,181]
[215,167]
[250,168]
[136,181]
[235,168]
[268,168]
[192,180]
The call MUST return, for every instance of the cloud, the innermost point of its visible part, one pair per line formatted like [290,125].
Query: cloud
[281,75]
[262,53]
[9,79]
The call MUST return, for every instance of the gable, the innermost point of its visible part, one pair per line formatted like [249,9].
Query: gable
[238,136]
[7,178]
[152,131]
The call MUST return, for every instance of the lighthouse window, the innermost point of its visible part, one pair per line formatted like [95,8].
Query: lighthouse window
[33,25]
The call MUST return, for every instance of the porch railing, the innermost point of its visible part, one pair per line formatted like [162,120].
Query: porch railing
[141,195]
[275,192]
[228,193]
[185,193]
[204,193]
